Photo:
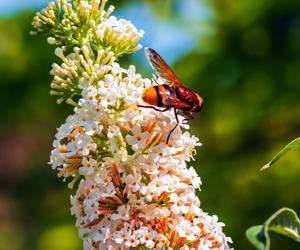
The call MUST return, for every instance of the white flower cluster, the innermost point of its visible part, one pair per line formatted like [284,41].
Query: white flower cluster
[135,191]
[120,34]
[93,131]
[79,70]
[64,22]
[46,17]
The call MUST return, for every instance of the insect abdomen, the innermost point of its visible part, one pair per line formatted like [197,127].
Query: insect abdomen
[156,95]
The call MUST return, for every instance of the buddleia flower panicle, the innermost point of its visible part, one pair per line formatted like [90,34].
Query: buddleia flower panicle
[133,190]
[79,69]
[88,37]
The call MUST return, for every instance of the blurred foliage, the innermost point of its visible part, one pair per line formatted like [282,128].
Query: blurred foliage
[284,221]
[246,69]
[65,236]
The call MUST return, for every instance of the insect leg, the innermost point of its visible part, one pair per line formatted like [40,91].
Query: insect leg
[176,112]
[188,117]
[152,107]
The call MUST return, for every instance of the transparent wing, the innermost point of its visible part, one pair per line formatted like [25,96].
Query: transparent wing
[161,68]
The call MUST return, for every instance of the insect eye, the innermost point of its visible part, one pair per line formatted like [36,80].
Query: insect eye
[199,106]
[200,103]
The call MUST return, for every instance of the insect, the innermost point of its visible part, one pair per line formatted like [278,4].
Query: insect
[171,95]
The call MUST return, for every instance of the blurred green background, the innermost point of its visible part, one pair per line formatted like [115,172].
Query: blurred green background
[243,57]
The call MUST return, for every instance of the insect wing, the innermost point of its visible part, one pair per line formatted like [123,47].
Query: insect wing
[162,69]
[174,102]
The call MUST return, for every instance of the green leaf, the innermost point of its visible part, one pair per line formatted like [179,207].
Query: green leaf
[285,222]
[291,146]
[255,237]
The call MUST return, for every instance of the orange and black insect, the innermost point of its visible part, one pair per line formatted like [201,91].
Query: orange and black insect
[170,95]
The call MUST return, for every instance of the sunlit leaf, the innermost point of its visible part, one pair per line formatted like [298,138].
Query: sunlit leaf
[291,146]
[285,222]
